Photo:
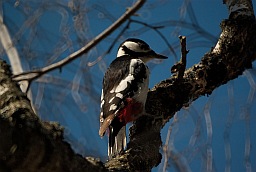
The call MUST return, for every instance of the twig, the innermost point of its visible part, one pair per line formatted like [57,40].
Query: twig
[181,65]
[31,75]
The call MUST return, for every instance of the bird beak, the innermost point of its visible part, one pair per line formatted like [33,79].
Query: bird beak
[158,56]
[152,55]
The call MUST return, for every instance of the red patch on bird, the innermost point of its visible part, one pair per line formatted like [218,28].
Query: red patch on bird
[131,111]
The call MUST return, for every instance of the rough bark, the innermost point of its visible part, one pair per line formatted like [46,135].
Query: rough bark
[234,53]
[27,143]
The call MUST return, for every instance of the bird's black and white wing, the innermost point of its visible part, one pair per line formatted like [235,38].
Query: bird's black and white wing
[125,78]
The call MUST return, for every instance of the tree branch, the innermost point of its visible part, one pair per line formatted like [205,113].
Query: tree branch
[181,65]
[234,52]
[32,75]
[27,144]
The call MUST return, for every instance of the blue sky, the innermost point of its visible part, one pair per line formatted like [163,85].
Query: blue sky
[74,100]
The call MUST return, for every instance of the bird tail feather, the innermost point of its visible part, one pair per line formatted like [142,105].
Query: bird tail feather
[116,144]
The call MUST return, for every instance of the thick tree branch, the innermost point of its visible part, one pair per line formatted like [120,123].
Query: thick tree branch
[27,144]
[234,52]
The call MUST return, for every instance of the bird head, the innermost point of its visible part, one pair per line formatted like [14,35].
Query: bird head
[137,48]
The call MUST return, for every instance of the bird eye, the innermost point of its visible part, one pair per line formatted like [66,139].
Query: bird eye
[144,47]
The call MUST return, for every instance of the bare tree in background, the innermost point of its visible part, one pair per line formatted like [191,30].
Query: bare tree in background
[60,77]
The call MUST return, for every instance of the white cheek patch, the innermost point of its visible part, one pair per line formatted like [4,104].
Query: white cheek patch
[134,62]
[135,47]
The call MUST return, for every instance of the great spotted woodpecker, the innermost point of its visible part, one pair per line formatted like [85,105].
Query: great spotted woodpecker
[124,93]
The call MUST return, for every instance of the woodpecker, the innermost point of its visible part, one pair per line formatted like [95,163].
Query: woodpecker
[124,93]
